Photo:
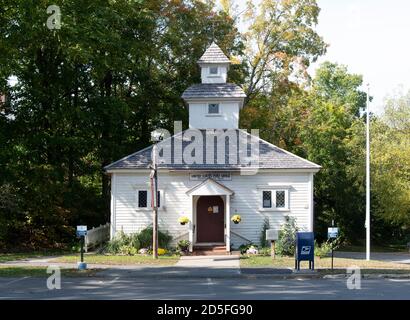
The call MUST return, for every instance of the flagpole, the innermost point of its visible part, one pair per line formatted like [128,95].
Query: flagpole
[367,176]
[154,202]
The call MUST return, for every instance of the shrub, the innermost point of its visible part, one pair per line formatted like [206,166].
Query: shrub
[286,243]
[145,238]
[323,250]
[265,227]
[115,244]
[183,245]
[162,251]
[265,251]
[243,247]
[128,250]
[130,244]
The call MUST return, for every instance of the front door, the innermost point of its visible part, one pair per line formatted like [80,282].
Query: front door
[210,217]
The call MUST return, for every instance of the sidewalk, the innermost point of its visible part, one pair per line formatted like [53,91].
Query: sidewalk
[227,267]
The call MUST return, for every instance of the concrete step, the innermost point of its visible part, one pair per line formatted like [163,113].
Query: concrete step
[209,250]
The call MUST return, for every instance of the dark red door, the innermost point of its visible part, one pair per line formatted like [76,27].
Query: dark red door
[210,219]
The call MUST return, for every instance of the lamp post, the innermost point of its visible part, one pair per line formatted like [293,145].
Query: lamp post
[367,176]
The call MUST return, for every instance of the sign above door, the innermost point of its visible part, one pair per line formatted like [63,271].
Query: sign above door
[217,176]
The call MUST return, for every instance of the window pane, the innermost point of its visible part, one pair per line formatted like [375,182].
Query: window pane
[142,199]
[213,108]
[280,199]
[267,199]
[213,70]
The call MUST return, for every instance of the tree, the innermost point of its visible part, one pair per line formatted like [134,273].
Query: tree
[90,93]
[390,142]
[280,40]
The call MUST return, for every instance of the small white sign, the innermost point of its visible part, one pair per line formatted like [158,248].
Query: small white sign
[218,176]
[272,234]
[215,209]
[81,228]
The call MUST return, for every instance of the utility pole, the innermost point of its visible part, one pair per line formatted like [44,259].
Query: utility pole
[367,176]
[154,201]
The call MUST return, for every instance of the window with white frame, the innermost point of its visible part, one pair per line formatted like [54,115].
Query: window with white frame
[144,198]
[213,71]
[213,108]
[275,199]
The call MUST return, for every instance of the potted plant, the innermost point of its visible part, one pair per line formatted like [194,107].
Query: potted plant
[183,246]
[183,220]
[236,218]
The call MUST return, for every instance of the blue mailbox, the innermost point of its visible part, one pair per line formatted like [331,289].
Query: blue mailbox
[305,249]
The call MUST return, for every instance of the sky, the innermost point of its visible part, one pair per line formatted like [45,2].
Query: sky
[370,37]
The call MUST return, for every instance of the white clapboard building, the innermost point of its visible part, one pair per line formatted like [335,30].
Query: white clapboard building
[213,171]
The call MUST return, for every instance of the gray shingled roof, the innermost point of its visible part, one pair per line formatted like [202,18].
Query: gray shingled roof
[214,90]
[214,54]
[270,156]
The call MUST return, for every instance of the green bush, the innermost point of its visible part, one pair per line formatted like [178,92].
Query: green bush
[265,251]
[286,243]
[130,244]
[128,250]
[114,245]
[183,245]
[243,247]
[145,238]
[325,248]
[265,227]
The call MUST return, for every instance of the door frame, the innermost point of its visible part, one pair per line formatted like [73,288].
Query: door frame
[195,206]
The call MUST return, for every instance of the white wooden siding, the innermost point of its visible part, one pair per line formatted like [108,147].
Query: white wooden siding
[228,117]
[246,202]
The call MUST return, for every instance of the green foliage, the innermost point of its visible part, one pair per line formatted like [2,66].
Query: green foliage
[243,247]
[286,244]
[88,94]
[123,244]
[145,238]
[130,244]
[183,245]
[265,251]
[265,226]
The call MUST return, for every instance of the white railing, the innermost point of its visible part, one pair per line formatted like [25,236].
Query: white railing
[96,236]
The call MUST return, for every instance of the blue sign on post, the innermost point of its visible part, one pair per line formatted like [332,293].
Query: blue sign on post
[305,249]
[81,231]
[332,233]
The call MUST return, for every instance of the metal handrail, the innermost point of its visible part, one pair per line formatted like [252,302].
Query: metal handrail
[242,237]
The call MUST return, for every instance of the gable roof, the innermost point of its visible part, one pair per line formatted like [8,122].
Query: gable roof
[270,156]
[213,54]
[209,187]
[214,90]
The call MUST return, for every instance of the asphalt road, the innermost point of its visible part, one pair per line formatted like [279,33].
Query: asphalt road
[205,288]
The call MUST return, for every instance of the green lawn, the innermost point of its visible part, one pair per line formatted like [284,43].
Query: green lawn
[5,257]
[323,263]
[120,260]
[11,271]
